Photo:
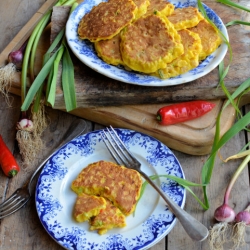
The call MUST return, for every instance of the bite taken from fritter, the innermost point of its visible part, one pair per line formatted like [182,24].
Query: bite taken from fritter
[116,183]
[108,218]
[87,206]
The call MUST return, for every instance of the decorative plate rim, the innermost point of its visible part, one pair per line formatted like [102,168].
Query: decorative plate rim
[85,52]
[143,230]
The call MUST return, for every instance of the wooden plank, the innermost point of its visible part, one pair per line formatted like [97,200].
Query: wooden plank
[191,141]
[23,230]
[193,137]
[222,173]
[25,32]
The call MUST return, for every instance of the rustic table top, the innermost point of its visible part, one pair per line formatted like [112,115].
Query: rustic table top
[23,229]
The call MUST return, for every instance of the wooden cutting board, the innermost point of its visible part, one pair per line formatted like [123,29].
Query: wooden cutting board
[104,100]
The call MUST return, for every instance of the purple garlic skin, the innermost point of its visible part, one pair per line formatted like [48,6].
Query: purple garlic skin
[224,213]
[243,216]
[26,125]
[16,57]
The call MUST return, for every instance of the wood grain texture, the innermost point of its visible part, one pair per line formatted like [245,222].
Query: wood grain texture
[222,174]
[30,16]
[192,137]
[105,96]
[23,229]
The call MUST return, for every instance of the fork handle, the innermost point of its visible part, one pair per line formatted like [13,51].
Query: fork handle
[193,227]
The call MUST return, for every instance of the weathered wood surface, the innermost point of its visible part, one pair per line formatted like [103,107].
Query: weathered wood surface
[23,229]
[186,137]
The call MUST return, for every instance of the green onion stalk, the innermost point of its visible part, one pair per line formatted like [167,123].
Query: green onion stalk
[243,121]
[29,130]
[231,226]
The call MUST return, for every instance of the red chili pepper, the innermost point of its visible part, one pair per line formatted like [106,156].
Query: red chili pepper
[7,160]
[181,112]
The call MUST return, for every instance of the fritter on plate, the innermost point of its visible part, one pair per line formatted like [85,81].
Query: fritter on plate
[210,38]
[188,60]
[118,184]
[110,217]
[109,50]
[183,18]
[150,43]
[142,6]
[106,19]
[162,6]
[87,206]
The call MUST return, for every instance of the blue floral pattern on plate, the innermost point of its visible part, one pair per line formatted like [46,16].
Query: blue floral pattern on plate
[152,219]
[85,51]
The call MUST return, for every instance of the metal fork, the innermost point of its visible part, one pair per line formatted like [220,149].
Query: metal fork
[122,156]
[22,195]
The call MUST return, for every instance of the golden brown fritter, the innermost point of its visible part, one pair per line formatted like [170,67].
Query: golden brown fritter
[142,6]
[109,50]
[188,60]
[164,7]
[150,43]
[108,218]
[183,18]
[118,184]
[210,38]
[87,206]
[106,19]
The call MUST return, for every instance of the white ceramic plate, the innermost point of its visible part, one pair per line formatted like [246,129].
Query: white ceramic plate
[85,51]
[152,219]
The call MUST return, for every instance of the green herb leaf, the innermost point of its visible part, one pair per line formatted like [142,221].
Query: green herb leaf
[26,58]
[235,22]
[38,83]
[207,168]
[52,47]
[68,81]
[44,22]
[233,4]
[185,183]
[52,90]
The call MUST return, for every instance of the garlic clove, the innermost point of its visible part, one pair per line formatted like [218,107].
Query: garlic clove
[25,124]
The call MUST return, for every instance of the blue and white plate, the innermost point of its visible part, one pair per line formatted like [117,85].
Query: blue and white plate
[85,51]
[152,219]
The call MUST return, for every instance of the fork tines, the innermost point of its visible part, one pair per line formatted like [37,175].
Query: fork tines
[116,146]
[12,204]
